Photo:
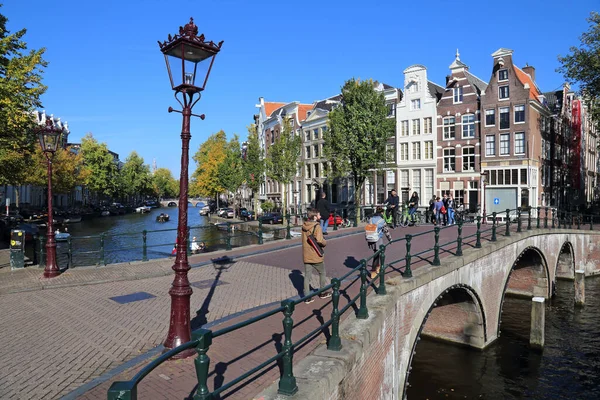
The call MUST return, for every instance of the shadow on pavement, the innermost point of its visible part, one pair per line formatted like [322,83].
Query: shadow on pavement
[351,262]
[298,281]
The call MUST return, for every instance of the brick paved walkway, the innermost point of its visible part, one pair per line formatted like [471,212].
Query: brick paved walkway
[56,340]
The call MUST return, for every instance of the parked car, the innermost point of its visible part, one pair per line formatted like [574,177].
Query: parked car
[272,218]
[246,214]
[338,220]
[204,210]
[222,212]
[230,213]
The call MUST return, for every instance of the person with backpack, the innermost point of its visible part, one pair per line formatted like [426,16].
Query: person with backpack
[313,256]
[324,210]
[440,210]
[374,232]
[393,201]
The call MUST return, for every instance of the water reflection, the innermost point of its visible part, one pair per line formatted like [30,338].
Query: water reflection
[568,367]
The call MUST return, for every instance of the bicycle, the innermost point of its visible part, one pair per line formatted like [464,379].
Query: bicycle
[407,220]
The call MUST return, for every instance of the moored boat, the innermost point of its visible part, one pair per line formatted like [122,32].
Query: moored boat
[162,217]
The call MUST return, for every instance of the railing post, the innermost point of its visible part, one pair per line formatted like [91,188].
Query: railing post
[538,217]
[288,235]
[122,390]
[553,218]
[493,238]
[228,241]
[363,312]
[519,229]
[144,245]
[407,271]
[102,260]
[69,252]
[436,247]
[260,232]
[335,228]
[287,382]
[529,219]
[381,290]
[459,240]
[202,362]
[478,235]
[545,217]
[507,233]
[42,260]
[335,343]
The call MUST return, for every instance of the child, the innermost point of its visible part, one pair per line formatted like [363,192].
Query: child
[312,259]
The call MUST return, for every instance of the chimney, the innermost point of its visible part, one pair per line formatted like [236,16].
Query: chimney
[528,69]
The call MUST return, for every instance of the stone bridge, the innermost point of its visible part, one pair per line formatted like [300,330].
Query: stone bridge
[460,301]
[192,202]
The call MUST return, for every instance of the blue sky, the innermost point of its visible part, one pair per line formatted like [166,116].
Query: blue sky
[106,74]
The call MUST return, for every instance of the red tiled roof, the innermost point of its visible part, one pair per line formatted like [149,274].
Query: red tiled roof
[272,106]
[525,78]
[303,109]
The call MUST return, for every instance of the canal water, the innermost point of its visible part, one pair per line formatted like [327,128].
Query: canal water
[567,368]
[120,238]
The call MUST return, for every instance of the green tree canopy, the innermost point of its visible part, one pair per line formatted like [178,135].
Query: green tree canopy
[165,186]
[20,90]
[230,171]
[254,163]
[582,65]
[67,170]
[355,143]
[283,156]
[136,179]
[102,174]
[205,179]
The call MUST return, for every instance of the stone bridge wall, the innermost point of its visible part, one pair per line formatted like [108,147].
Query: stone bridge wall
[377,353]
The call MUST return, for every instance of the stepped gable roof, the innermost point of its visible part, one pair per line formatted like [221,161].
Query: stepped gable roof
[435,90]
[534,92]
[271,106]
[476,82]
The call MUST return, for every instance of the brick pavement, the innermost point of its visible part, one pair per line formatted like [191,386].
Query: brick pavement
[91,334]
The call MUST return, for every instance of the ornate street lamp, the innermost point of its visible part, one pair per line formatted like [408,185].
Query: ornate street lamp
[189,59]
[50,136]
[484,177]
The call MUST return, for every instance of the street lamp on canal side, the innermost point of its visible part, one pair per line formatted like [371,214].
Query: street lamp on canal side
[49,136]
[189,59]
[484,177]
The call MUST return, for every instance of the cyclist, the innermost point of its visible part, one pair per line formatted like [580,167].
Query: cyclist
[413,203]
[393,201]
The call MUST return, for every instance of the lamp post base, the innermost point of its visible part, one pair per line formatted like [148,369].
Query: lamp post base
[179,327]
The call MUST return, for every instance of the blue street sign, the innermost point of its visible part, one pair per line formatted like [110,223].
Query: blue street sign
[496,200]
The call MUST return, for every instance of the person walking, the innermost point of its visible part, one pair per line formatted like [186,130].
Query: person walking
[413,203]
[451,208]
[312,258]
[382,229]
[432,210]
[324,209]
[393,201]
[438,208]
[445,215]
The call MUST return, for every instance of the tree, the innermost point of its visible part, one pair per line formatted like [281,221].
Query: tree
[135,176]
[254,163]
[205,179]
[165,186]
[67,170]
[20,90]
[102,174]
[359,129]
[582,65]
[230,172]
[282,157]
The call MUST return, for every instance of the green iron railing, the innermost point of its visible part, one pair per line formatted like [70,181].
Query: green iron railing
[202,339]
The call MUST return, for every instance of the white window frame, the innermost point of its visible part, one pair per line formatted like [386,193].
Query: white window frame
[449,127]
[522,110]
[505,142]
[500,117]
[427,123]
[467,124]
[449,157]
[308,152]
[404,128]
[500,92]
[415,104]
[428,150]
[457,95]
[500,73]
[416,150]
[468,157]
[522,140]
[403,151]
[493,145]
[416,123]
[490,111]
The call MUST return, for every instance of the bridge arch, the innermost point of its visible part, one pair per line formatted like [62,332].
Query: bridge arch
[565,263]
[463,305]
[528,276]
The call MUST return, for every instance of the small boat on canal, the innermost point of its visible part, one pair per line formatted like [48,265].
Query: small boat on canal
[61,236]
[162,217]
[143,210]
[70,219]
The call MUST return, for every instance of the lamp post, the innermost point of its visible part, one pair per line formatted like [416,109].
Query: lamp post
[189,60]
[484,177]
[49,136]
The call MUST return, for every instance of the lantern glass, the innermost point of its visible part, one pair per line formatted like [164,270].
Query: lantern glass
[189,66]
[49,140]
